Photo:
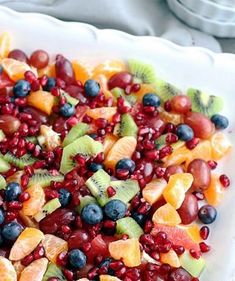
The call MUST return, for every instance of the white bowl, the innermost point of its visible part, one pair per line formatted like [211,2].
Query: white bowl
[213,27]
[210,10]
[229,3]
[185,67]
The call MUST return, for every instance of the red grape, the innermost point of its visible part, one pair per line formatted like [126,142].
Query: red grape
[202,126]
[201,174]
[77,238]
[39,59]
[9,124]
[189,209]
[179,274]
[181,104]
[18,55]
[173,169]
[64,70]
[120,80]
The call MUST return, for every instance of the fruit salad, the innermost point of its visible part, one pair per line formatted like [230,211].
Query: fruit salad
[107,172]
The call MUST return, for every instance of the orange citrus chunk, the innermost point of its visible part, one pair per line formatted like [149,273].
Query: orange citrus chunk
[15,69]
[153,190]
[42,100]
[144,89]
[109,68]
[27,220]
[5,44]
[215,192]
[34,271]
[193,231]
[36,201]
[103,82]
[108,278]
[82,72]
[170,258]
[123,148]
[220,146]
[25,243]
[48,138]
[7,270]
[201,151]
[171,117]
[19,267]
[53,246]
[102,112]
[127,250]
[176,188]
[179,156]
[177,235]
[48,70]
[109,141]
[167,215]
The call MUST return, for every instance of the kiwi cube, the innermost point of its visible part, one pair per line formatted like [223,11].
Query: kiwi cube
[20,162]
[47,209]
[53,271]
[142,72]
[69,98]
[75,132]
[44,178]
[3,183]
[130,227]
[128,126]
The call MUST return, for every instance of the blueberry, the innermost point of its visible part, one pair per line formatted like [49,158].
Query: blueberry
[77,259]
[126,164]
[21,89]
[151,100]
[65,197]
[2,216]
[92,88]
[50,84]
[67,110]
[93,136]
[92,214]
[11,231]
[94,167]
[13,190]
[207,214]
[1,69]
[221,122]
[139,218]
[115,209]
[184,132]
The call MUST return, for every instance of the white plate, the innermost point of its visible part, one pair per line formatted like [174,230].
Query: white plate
[195,67]
[217,28]
[229,3]
[210,10]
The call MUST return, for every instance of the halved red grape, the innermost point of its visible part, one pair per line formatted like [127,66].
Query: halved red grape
[39,59]
[9,124]
[179,274]
[64,70]
[181,104]
[189,209]
[18,55]
[120,80]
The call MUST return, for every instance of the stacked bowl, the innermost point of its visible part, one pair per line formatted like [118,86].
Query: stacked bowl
[216,17]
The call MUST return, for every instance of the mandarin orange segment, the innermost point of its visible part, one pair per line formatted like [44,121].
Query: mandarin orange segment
[82,72]
[109,68]
[178,156]
[109,141]
[220,146]
[7,270]
[5,44]
[108,278]
[127,250]
[53,246]
[103,81]
[201,151]
[48,70]
[42,100]
[171,117]
[27,220]
[170,258]
[25,243]
[36,201]
[34,271]
[167,215]
[193,230]
[215,192]
[15,69]
[123,148]
[19,267]
[154,190]
[144,89]
[102,112]
[176,188]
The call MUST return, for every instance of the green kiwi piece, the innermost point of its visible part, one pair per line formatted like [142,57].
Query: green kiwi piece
[47,209]
[4,165]
[117,130]
[143,73]
[98,184]
[53,271]
[2,135]
[160,142]
[69,98]
[125,190]
[128,126]
[129,99]
[84,145]
[20,162]
[204,103]
[129,226]
[85,201]
[44,178]
[165,90]
[3,183]
[76,132]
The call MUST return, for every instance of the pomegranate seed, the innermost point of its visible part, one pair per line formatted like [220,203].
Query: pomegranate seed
[224,180]
[148,226]
[167,106]
[111,191]
[87,119]
[124,109]
[195,254]
[165,248]
[39,252]
[10,216]
[20,102]
[165,151]
[78,222]
[152,154]
[195,279]
[30,76]
[72,121]
[65,229]
[171,138]
[24,196]
[204,232]
[27,260]
[30,146]
[144,208]
[62,259]
[55,92]
[116,118]
[204,247]
[142,183]
[60,83]
[155,255]
[99,158]
[122,174]
[128,90]
[159,172]
[86,247]
[35,85]
[135,87]
[24,180]
[68,274]
[199,195]
[147,239]
[39,164]
[125,236]
[92,273]
[164,268]
[43,80]
[51,194]
[14,205]
[170,128]
[29,170]
[212,164]
[109,224]
[178,249]
[120,272]
[160,238]
[62,100]
[149,109]
[24,129]
[192,143]
[116,265]
[53,279]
